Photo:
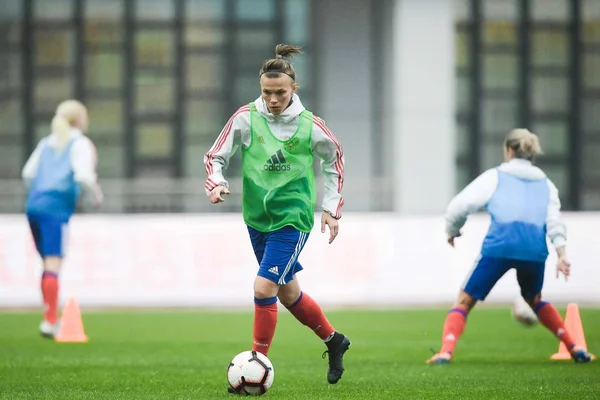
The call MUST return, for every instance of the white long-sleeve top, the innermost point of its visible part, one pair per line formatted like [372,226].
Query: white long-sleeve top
[83,161]
[478,193]
[325,145]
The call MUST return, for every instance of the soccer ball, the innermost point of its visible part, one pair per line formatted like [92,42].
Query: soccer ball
[523,313]
[250,373]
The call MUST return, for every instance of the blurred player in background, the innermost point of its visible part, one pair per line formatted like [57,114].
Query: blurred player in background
[525,208]
[279,139]
[60,171]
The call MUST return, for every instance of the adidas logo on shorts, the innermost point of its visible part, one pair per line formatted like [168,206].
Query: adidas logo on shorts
[277,163]
[274,270]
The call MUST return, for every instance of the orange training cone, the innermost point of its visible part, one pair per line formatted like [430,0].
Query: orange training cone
[575,328]
[71,325]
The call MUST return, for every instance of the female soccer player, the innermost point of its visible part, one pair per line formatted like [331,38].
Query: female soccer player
[62,165]
[278,139]
[524,207]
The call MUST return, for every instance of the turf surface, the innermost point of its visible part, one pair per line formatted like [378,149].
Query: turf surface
[184,355]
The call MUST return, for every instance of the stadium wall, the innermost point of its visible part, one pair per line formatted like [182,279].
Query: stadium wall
[422,105]
[206,261]
[390,99]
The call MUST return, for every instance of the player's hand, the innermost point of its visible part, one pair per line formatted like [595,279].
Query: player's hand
[216,195]
[451,238]
[332,223]
[563,266]
[98,196]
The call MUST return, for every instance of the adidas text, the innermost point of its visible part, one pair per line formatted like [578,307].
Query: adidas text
[277,167]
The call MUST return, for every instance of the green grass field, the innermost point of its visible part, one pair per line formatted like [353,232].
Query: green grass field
[184,355]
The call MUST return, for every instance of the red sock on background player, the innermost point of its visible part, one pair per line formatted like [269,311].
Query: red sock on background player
[309,313]
[49,286]
[551,319]
[265,322]
[453,328]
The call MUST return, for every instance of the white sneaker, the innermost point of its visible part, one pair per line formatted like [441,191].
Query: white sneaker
[48,330]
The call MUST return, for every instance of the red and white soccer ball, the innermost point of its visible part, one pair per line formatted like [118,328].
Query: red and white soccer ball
[250,373]
[523,313]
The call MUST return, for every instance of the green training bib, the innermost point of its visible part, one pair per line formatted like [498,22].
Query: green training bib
[278,177]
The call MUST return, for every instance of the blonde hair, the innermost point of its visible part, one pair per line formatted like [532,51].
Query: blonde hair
[524,143]
[68,114]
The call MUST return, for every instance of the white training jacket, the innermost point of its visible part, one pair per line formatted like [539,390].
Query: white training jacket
[479,192]
[324,145]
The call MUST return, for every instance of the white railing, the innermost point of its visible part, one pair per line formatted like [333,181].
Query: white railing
[160,195]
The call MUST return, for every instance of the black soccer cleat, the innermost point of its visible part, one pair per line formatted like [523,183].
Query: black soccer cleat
[336,348]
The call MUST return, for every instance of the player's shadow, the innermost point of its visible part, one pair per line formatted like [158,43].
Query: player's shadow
[509,363]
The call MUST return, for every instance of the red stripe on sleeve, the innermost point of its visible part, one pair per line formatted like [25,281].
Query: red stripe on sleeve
[339,163]
[221,139]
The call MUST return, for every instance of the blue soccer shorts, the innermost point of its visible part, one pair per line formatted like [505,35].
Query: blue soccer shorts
[49,234]
[277,253]
[488,270]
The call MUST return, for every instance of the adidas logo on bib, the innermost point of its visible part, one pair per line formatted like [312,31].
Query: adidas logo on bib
[277,163]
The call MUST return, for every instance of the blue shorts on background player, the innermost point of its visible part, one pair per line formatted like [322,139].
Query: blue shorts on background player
[525,208]
[60,174]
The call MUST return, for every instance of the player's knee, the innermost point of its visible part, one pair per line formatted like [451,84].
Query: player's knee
[52,264]
[466,300]
[290,293]
[264,288]
[288,298]
[262,293]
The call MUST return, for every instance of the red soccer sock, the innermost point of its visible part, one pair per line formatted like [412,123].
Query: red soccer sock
[309,313]
[49,287]
[551,319]
[265,321]
[453,328]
